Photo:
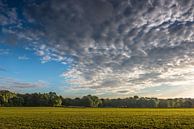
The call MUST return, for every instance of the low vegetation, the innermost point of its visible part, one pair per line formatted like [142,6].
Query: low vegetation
[95,118]
[51,99]
[55,115]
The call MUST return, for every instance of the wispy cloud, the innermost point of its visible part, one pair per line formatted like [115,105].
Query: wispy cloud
[23,57]
[12,84]
[4,51]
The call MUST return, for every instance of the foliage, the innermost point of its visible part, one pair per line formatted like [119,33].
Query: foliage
[51,99]
[8,98]
[95,118]
[5,96]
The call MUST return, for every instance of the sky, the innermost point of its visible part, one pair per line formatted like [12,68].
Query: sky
[109,48]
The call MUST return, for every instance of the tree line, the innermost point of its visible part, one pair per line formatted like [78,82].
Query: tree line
[51,99]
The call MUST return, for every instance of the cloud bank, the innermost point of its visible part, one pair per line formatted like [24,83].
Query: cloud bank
[118,46]
[12,84]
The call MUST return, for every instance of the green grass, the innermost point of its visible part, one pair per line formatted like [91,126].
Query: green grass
[95,118]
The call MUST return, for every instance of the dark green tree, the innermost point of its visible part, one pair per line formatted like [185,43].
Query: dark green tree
[163,104]
[187,104]
[90,101]
[16,101]
[1,101]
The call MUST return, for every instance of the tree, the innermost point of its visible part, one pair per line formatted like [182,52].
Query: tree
[1,101]
[135,97]
[43,99]
[187,104]
[95,101]
[5,96]
[163,104]
[178,103]
[8,98]
[90,101]
[67,102]
[56,101]
[87,101]
[16,101]
[151,103]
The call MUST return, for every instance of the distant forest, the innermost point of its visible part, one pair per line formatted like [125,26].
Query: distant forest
[10,99]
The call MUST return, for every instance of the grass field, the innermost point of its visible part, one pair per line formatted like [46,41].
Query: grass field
[95,118]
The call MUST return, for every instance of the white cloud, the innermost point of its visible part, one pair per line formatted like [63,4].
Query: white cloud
[117,46]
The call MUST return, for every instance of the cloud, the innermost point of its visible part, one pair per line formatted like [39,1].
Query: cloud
[23,57]
[8,15]
[123,92]
[12,84]
[114,45]
[22,85]
[4,51]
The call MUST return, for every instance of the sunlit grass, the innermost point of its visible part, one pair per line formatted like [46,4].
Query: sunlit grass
[95,118]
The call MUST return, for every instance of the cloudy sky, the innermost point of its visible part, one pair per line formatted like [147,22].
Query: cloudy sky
[109,48]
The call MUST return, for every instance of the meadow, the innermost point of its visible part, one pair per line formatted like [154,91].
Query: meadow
[94,118]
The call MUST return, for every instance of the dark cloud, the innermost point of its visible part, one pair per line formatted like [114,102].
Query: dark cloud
[123,91]
[120,41]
